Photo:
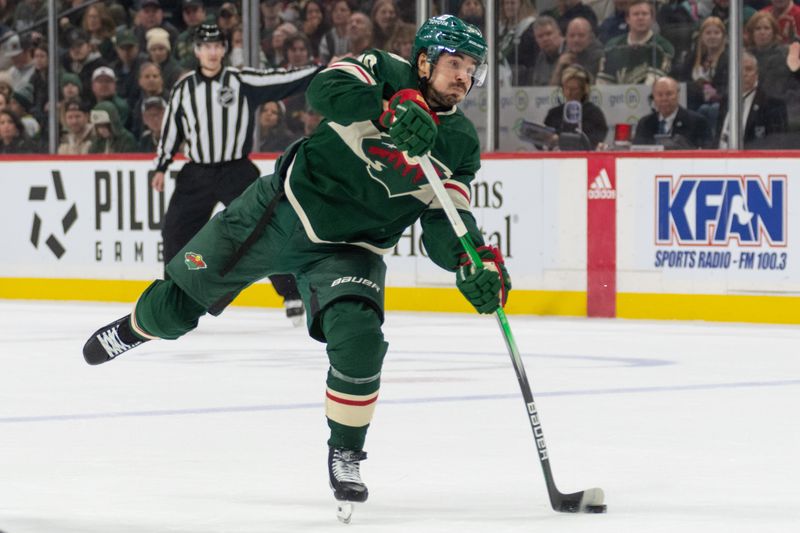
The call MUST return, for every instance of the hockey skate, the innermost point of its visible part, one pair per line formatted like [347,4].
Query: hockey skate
[110,341]
[345,480]
[294,311]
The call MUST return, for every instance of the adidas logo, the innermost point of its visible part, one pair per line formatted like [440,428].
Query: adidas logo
[601,188]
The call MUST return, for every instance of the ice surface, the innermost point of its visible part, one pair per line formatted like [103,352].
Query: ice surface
[685,426]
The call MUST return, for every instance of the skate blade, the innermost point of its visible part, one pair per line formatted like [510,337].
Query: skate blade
[344,512]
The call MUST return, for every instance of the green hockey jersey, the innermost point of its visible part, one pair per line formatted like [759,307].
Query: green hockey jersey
[349,183]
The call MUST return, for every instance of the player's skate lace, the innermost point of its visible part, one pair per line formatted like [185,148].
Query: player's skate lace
[345,476]
[110,341]
[345,465]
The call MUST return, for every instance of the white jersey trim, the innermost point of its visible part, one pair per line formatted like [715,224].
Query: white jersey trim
[309,229]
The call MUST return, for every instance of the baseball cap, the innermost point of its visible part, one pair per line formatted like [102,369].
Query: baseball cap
[76,104]
[153,101]
[125,37]
[78,37]
[24,96]
[103,71]
[145,3]
[12,47]
[192,3]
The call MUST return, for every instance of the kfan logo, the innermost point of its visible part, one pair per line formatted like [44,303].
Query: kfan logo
[714,210]
[39,194]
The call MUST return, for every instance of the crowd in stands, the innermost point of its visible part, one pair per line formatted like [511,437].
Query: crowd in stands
[118,59]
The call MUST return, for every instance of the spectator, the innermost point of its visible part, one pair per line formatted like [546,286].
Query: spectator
[764,117]
[787,14]
[152,112]
[685,128]
[678,21]
[722,10]
[12,135]
[334,42]
[359,34]
[639,56]
[158,50]
[228,18]
[5,86]
[312,18]
[100,27]
[566,10]
[311,120]
[764,42]
[194,14]
[236,52]
[705,70]
[582,48]
[516,44]
[80,59]
[298,55]
[149,16]
[275,55]
[151,84]
[77,138]
[551,44]
[71,86]
[473,12]
[39,83]
[110,136]
[384,19]
[275,135]
[270,16]
[576,84]
[402,41]
[27,12]
[126,66]
[615,24]
[290,11]
[21,103]
[21,69]
[104,88]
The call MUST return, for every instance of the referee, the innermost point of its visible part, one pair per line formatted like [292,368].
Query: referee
[212,111]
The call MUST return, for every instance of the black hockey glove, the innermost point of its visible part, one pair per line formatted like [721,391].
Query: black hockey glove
[487,288]
[411,123]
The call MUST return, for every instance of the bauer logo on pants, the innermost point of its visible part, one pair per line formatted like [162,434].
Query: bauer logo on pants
[194,261]
[357,280]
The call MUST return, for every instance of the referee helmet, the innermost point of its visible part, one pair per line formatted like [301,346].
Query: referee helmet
[208,33]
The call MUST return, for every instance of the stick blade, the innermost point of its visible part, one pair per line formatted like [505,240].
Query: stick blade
[588,501]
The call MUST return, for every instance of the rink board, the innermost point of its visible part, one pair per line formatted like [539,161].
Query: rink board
[633,235]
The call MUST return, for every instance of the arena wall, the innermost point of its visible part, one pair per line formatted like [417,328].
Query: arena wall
[656,235]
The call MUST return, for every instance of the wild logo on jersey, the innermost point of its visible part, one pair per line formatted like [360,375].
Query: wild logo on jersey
[391,167]
[713,210]
[385,163]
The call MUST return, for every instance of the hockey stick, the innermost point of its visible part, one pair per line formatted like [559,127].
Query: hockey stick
[591,500]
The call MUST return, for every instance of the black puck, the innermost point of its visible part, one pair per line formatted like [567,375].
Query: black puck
[595,509]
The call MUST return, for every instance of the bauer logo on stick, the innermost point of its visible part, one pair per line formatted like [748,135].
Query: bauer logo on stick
[194,261]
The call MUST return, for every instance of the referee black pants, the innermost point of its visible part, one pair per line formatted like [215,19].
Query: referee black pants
[198,188]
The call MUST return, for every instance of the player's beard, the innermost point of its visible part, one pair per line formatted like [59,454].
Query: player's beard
[446,99]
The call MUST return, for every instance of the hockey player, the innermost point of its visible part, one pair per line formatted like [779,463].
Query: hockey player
[338,201]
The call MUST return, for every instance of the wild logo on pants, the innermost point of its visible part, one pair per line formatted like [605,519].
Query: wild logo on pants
[194,261]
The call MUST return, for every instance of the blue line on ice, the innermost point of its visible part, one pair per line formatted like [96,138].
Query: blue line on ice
[471,398]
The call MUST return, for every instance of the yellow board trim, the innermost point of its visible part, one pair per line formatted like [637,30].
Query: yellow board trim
[764,309]
[715,307]
[521,302]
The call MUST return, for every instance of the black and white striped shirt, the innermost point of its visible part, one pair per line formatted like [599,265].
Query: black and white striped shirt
[216,116]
